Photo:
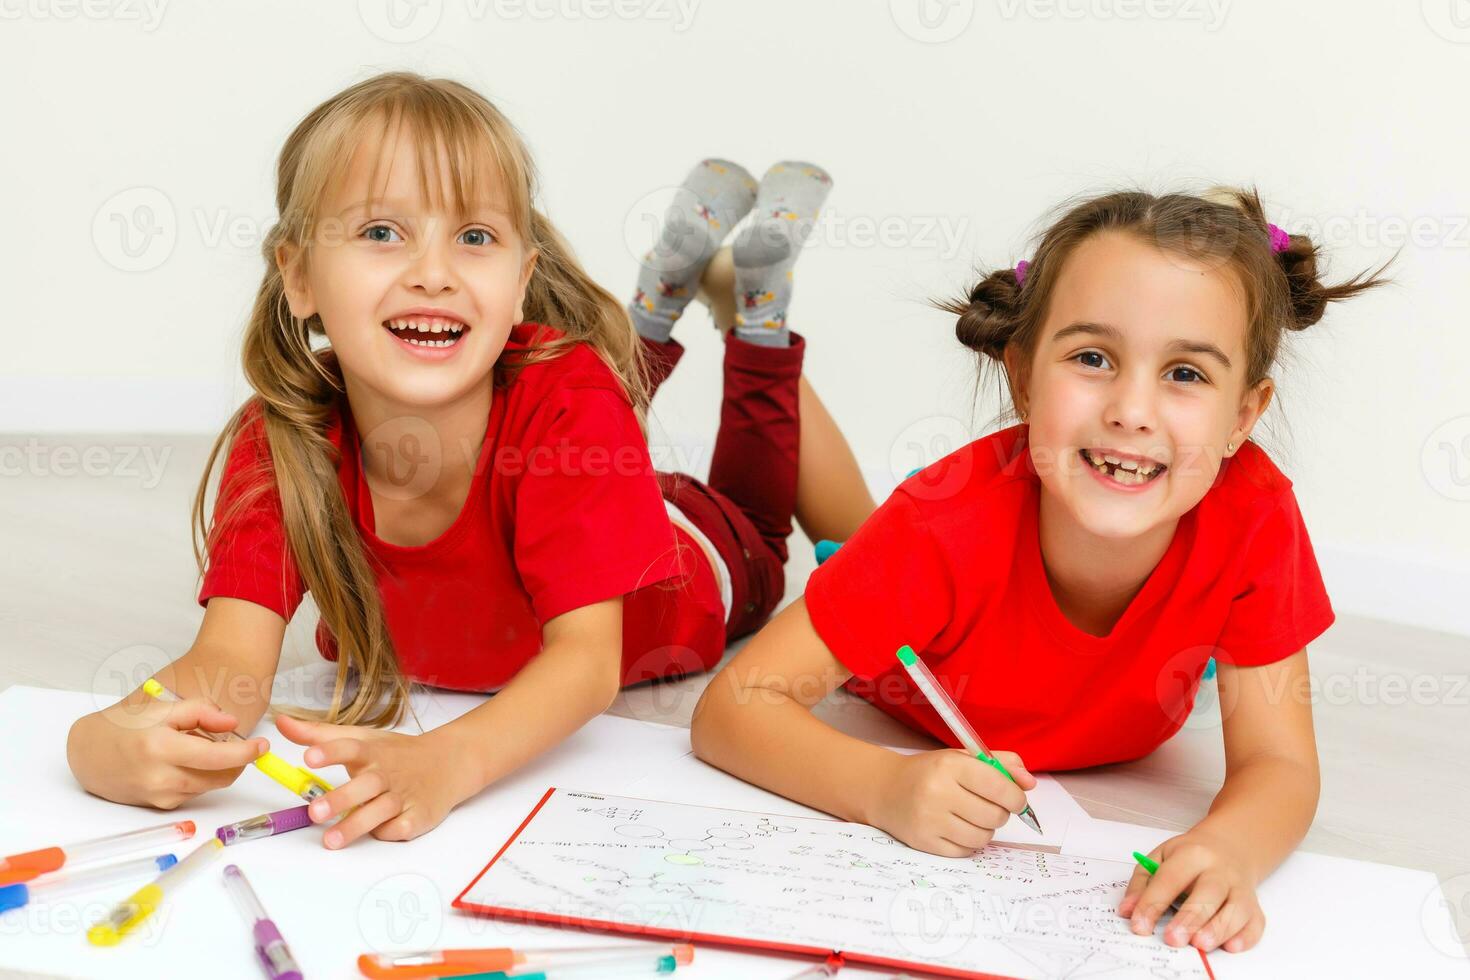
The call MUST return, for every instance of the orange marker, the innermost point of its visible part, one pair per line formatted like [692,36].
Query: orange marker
[27,865]
[460,962]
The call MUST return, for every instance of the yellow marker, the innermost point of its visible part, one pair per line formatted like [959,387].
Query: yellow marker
[304,783]
[124,918]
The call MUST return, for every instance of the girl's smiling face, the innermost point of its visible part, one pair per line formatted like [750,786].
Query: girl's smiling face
[390,263]
[1141,358]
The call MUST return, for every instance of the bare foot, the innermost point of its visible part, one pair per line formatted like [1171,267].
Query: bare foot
[717,289]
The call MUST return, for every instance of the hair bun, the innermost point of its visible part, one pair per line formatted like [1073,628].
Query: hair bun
[987,315]
[1306,295]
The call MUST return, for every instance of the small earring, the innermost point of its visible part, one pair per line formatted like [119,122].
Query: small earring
[1230,447]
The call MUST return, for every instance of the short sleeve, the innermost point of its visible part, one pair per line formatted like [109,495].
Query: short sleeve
[590,522]
[1281,604]
[248,555]
[888,585]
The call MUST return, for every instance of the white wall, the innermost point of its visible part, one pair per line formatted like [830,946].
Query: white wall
[950,133]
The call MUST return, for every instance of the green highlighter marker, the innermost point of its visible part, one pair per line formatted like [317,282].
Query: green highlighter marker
[925,681]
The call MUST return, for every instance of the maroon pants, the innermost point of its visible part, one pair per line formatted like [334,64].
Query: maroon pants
[746,507]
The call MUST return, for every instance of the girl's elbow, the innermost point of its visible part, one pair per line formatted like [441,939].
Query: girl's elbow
[704,731]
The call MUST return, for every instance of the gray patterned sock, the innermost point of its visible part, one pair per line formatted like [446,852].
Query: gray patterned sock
[786,208]
[711,201]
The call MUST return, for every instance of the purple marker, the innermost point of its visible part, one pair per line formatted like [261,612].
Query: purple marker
[274,955]
[265,825]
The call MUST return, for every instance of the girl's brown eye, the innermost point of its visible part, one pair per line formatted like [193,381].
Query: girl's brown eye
[1195,375]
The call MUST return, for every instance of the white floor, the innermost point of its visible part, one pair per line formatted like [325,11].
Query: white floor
[93,565]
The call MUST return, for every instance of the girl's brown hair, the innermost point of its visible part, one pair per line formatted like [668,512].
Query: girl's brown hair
[298,385]
[1224,225]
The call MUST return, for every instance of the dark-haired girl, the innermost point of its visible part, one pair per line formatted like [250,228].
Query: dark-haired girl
[1068,578]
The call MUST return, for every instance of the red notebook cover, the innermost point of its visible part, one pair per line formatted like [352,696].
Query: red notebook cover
[739,942]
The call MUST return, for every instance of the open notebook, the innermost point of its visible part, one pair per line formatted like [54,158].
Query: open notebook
[814,886]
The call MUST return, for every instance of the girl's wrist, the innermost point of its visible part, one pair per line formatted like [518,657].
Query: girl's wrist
[461,764]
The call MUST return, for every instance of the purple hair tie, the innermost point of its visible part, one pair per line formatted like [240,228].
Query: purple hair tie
[1280,240]
[1021,268]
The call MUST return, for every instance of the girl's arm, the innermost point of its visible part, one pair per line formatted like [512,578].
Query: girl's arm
[1261,813]
[136,751]
[755,721]
[404,785]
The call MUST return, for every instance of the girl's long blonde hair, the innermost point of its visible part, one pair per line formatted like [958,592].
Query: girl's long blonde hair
[297,386]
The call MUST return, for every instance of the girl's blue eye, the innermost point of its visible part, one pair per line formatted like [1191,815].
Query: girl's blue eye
[368,233]
[485,238]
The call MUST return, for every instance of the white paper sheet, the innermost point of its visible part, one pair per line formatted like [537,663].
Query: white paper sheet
[1325,916]
[818,882]
[690,780]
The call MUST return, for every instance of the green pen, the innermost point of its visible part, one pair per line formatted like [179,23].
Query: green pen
[1151,866]
[949,713]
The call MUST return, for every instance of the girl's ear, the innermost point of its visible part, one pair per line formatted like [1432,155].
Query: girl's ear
[527,268]
[1252,407]
[293,280]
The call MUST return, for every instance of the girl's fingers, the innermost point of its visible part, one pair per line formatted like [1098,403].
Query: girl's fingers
[200,753]
[1249,936]
[199,713]
[1231,919]
[309,732]
[1136,885]
[339,751]
[1173,878]
[1017,768]
[1205,898]
[379,809]
[204,780]
[962,833]
[355,792]
[985,782]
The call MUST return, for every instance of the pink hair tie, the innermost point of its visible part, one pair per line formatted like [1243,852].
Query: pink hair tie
[1280,240]
[1021,268]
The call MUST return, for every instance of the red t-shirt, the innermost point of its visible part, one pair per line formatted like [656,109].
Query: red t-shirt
[564,511]
[951,565]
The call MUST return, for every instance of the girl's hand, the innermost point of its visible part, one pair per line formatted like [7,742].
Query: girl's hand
[401,786]
[1220,908]
[949,802]
[142,753]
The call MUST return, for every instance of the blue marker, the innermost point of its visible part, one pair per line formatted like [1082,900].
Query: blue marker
[52,887]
